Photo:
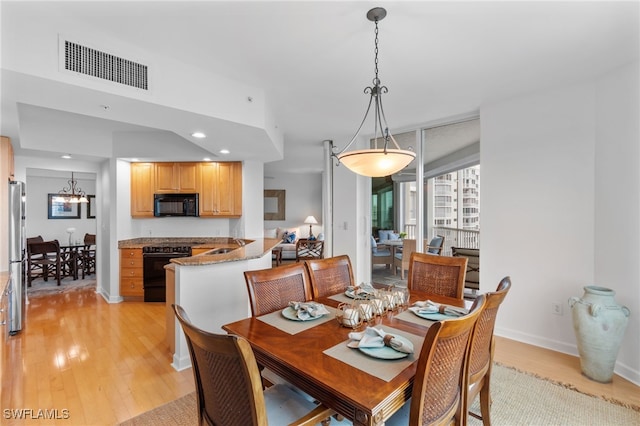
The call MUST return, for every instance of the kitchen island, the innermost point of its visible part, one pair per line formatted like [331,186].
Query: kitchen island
[211,288]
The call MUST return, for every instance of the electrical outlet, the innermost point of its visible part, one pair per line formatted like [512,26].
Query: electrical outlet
[556,308]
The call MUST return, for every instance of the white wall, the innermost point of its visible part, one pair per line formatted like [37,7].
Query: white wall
[38,222]
[303,198]
[539,205]
[617,205]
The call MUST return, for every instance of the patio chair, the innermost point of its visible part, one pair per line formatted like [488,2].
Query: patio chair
[441,275]
[228,384]
[435,246]
[472,279]
[330,276]
[438,388]
[401,259]
[481,349]
[380,254]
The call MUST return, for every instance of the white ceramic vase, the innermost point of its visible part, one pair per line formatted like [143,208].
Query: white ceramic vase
[599,324]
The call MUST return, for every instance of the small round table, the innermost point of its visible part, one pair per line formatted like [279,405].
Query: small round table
[276,253]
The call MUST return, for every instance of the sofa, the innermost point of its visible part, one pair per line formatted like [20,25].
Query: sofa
[288,238]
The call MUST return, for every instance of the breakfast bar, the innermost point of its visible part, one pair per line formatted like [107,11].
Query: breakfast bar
[211,287]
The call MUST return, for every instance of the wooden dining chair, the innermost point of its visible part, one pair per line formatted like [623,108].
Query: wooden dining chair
[481,349]
[330,276]
[272,289]
[438,388]
[43,257]
[441,275]
[228,386]
[88,255]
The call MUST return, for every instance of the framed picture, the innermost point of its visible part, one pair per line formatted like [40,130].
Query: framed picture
[274,204]
[62,210]
[91,207]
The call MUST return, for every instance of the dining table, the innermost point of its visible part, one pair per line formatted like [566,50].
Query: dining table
[71,258]
[393,245]
[364,387]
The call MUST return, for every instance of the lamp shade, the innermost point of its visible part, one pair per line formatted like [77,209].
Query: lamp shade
[376,162]
[311,220]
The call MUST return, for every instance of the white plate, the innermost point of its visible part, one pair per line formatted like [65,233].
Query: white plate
[351,294]
[433,316]
[386,352]
[292,314]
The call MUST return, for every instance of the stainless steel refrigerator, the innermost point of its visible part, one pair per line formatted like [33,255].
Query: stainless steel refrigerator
[16,290]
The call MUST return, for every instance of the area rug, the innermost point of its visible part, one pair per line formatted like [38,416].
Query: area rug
[518,399]
[40,287]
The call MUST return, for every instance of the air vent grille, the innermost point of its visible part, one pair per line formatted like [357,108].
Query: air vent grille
[86,60]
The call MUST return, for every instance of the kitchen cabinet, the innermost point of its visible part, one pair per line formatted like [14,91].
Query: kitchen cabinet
[198,250]
[220,189]
[131,273]
[176,178]
[6,156]
[142,187]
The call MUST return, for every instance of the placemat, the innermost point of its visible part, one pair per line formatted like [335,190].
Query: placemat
[294,327]
[411,317]
[381,368]
[341,297]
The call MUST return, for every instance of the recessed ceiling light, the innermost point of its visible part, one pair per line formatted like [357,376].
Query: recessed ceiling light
[66,156]
[224,151]
[198,135]
[206,159]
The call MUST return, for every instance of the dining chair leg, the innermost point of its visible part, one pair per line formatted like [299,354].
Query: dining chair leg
[485,404]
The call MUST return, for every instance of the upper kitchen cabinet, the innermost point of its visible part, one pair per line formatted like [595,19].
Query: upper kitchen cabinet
[142,189]
[176,178]
[6,156]
[220,189]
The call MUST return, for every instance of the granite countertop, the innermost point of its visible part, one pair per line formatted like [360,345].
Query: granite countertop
[193,242]
[252,249]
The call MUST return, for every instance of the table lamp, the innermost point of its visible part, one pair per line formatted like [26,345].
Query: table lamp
[311,221]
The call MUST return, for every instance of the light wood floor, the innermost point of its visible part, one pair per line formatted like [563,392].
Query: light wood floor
[107,363]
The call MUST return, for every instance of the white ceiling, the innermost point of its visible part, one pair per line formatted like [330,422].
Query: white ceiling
[313,59]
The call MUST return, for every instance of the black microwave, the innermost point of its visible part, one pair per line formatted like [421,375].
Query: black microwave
[175,205]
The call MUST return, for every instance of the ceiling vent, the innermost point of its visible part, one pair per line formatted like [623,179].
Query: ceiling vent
[88,61]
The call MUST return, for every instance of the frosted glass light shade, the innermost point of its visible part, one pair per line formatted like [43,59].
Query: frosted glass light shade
[376,162]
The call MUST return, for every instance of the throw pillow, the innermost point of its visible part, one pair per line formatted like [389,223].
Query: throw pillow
[289,237]
[384,234]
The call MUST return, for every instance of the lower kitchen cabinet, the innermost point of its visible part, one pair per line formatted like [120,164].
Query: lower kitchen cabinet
[131,273]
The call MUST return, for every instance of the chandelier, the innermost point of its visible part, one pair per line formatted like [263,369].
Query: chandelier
[71,193]
[376,162]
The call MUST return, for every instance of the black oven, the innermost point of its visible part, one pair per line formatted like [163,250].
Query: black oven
[153,259]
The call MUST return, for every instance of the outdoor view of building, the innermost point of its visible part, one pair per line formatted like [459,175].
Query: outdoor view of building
[456,199]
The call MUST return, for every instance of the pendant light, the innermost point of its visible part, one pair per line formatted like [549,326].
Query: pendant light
[72,193]
[376,162]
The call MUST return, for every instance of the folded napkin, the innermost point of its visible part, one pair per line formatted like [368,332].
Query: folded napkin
[363,289]
[377,338]
[429,307]
[306,310]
